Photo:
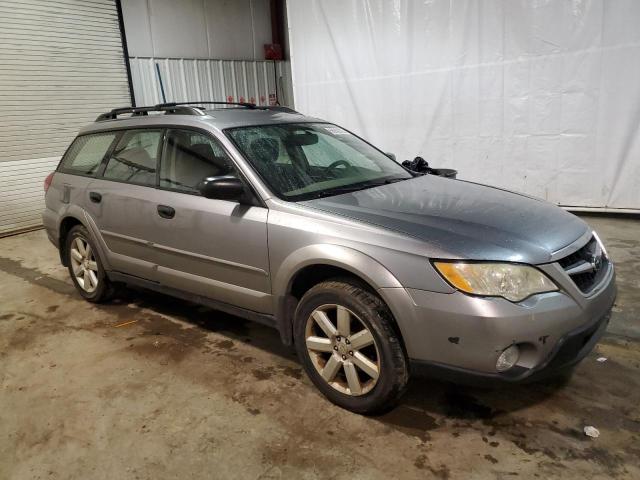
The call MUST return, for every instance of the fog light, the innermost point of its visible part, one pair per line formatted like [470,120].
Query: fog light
[508,358]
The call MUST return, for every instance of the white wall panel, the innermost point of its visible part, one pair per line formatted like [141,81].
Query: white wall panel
[224,29]
[230,30]
[137,22]
[178,29]
[537,96]
[215,80]
[261,21]
[61,64]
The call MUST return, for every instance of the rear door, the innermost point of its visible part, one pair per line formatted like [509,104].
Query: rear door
[214,248]
[122,201]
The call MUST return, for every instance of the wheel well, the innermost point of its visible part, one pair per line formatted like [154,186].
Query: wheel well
[67,224]
[306,278]
[314,274]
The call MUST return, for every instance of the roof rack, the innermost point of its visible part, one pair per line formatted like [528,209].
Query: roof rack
[239,104]
[182,108]
[175,108]
[252,106]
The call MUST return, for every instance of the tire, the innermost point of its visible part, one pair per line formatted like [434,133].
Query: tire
[100,287]
[319,347]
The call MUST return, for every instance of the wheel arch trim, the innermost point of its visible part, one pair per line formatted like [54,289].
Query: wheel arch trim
[82,217]
[353,261]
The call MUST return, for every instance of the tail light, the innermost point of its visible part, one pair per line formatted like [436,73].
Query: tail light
[47,181]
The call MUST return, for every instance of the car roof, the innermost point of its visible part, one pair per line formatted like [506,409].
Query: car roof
[238,117]
[219,118]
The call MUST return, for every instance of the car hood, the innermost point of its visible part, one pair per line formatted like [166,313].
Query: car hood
[461,219]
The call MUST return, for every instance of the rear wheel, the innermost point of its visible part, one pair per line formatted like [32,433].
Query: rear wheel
[345,338]
[85,266]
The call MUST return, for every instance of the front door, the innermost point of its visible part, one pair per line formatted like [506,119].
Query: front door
[214,248]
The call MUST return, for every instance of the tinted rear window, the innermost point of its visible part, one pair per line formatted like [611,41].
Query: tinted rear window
[86,153]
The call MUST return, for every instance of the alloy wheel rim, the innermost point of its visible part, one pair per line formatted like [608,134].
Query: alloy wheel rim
[342,350]
[84,265]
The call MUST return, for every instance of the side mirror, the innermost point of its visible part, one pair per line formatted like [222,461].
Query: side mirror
[222,188]
[392,156]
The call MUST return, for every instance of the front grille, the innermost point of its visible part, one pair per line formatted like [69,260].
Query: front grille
[587,266]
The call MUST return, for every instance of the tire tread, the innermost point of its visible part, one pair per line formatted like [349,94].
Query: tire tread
[383,318]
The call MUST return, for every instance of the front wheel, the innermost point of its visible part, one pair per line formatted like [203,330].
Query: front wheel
[345,339]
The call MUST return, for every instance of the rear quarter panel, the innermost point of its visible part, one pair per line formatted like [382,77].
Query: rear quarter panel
[67,197]
[65,192]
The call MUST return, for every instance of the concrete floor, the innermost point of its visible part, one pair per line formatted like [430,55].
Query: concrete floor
[186,392]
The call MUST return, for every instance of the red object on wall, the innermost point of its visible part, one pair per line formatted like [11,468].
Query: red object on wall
[272,51]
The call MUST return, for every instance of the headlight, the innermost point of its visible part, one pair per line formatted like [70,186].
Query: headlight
[511,281]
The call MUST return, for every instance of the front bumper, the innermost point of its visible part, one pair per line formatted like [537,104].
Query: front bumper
[569,351]
[462,335]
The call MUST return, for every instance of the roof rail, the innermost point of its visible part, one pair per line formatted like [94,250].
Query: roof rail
[239,104]
[175,108]
[183,108]
[141,111]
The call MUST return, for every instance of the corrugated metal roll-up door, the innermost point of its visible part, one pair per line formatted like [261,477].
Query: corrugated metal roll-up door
[61,64]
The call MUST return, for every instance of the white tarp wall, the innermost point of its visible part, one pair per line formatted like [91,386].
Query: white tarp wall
[537,96]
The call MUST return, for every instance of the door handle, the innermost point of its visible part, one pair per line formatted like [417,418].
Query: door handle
[95,197]
[166,211]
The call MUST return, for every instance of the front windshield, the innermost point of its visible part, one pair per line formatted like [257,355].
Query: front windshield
[301,161]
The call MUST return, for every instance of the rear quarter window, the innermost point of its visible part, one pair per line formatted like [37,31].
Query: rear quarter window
[86,153]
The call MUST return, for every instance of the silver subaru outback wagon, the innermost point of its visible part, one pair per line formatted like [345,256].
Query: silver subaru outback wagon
[371,271]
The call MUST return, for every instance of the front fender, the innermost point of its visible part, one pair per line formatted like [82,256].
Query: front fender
[354,261]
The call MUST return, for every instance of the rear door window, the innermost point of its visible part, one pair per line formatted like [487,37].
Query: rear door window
[135,158]
[86,153]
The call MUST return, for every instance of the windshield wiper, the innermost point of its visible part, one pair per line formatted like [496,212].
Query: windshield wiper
[394,180]
[355,187]
[336,191]
[380,183]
